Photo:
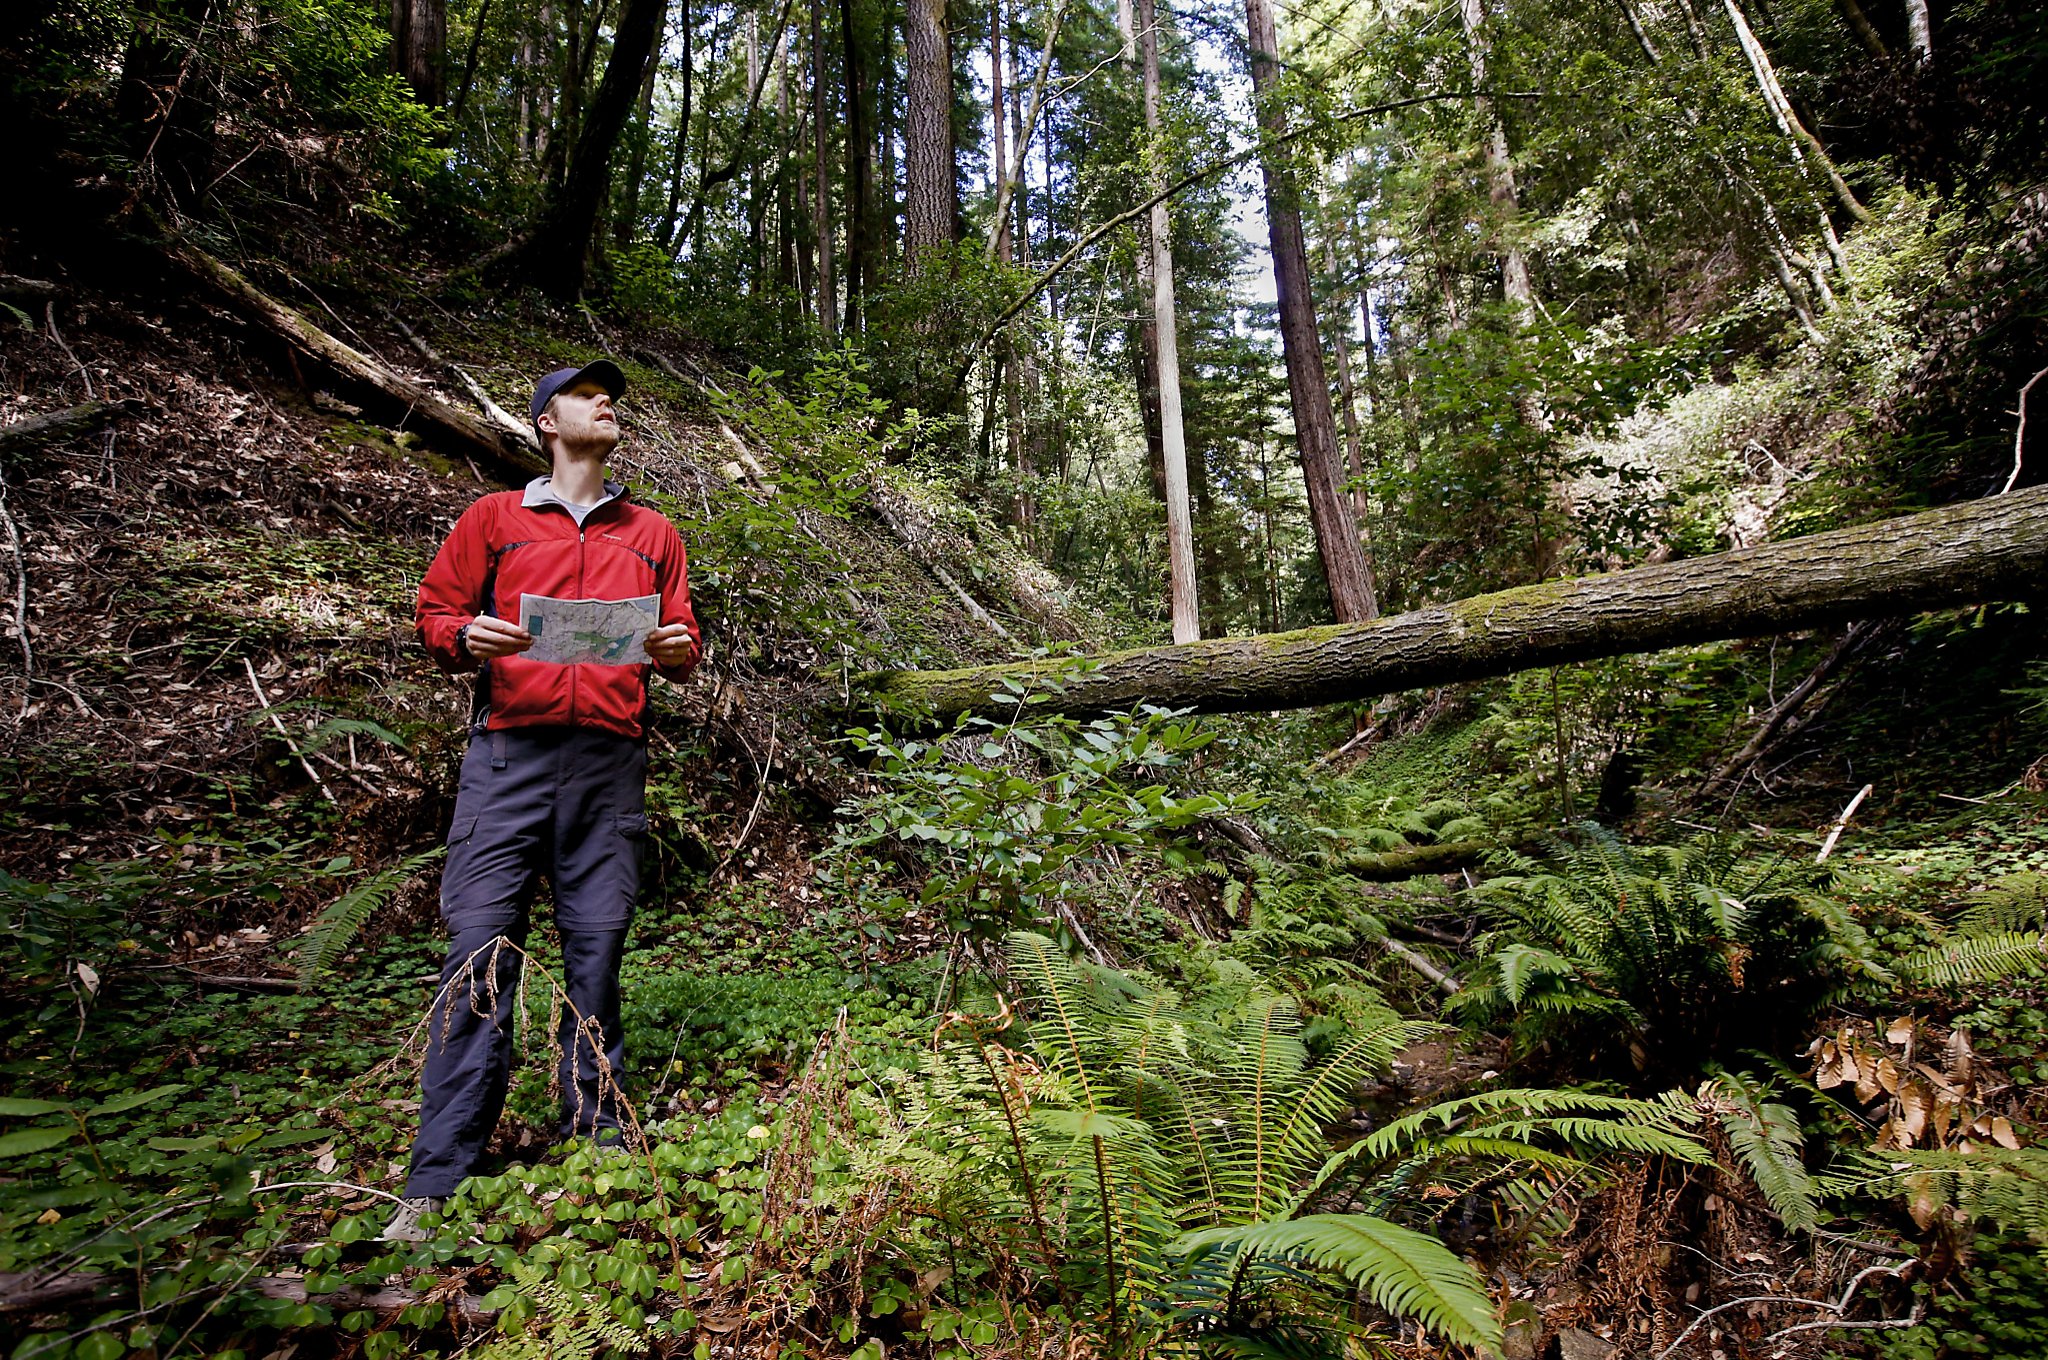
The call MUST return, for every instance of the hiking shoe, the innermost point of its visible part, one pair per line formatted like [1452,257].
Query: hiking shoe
[405,1224]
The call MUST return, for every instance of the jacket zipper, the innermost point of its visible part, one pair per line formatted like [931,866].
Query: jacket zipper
[582,590]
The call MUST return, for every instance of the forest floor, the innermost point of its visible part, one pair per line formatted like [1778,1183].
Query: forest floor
[224,726]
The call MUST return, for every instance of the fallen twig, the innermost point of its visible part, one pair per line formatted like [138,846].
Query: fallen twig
[2019,434]
[285,733]
[1445,983]
[1841,822]
[1835,1306]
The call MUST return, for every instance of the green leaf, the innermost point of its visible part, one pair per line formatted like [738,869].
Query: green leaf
[1408,1273]
[135,1100]
[25,1141]
[17,1107]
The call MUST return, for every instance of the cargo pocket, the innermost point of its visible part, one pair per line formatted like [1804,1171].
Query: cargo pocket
[461,829]
[632,825]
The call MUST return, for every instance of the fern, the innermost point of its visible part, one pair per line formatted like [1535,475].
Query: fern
[1651,950]
[1972,959]
[1408,1273]
[1767,1138]
[331,933]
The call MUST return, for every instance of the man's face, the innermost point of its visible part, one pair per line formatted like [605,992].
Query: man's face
[582,417]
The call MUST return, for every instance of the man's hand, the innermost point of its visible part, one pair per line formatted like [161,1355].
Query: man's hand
[670,645]
[489,638]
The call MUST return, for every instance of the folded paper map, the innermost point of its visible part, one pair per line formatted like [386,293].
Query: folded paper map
[589,632]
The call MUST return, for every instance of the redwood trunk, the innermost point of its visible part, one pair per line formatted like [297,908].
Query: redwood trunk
[1990,549]
[927,133]
[1315,426]
[419,45]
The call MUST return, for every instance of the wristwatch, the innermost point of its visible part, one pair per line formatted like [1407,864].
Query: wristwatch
[462,642]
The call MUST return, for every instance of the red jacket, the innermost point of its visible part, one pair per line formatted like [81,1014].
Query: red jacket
[515,543]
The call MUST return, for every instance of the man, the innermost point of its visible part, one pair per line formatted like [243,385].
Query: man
[554,780]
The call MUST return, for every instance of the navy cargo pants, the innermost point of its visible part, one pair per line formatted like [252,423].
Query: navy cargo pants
[569,802]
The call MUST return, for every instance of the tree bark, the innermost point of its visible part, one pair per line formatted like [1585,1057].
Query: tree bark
[1180,527]
[419,47]
[555,256]
[1920,32]
[927,134]
[1781,111]
[679,157]
[1990,549]
[861,272]
[509,459]
[627,223]
[821,165]
[54,427]
[1315,426]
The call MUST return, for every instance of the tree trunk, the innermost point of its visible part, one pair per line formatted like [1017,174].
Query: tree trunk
[1990,549]
[679,161]
[821,164]
[509,457]
[419,47]
[1920,32]
[555,256]
[861,273]
[627,224]
[1180,527]
[1315,426]
[927,133]
[1866,32]
[1515,284]
[1781,110]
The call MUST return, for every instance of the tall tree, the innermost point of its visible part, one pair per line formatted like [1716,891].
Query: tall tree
[1344,564]
[821,164]
[861,268]
[1180,529]
[1773,91]
[419,47]
[927,133]
[555,255]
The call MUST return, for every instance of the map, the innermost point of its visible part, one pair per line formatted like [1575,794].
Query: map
[589,632]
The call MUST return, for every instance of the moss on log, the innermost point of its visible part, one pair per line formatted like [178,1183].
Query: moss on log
[1392,866]
[56,426]
[1990,549]
[498,451]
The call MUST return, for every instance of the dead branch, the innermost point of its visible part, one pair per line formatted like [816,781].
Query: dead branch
[1842,822]
[1443,981]
[1851,642]
[2019,434]
[512,460]
[55,426]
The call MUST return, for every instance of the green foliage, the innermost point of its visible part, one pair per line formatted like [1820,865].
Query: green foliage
[335,928]
[1152,1151]
[1005,818]
[1670,954]
[1996,1307]
[1769,1142]
[63,941]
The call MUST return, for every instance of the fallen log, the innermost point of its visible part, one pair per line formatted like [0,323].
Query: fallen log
[503,452]
[1990,549]
[53,426]
[1392,866]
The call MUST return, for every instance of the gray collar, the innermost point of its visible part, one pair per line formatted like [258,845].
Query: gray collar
[541,491]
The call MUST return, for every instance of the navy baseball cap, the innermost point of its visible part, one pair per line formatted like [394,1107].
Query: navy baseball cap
[604,373]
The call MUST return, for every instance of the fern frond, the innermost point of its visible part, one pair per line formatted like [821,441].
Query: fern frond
[1767,1137]
[1408,1273]
[1982,958]
[338,923]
